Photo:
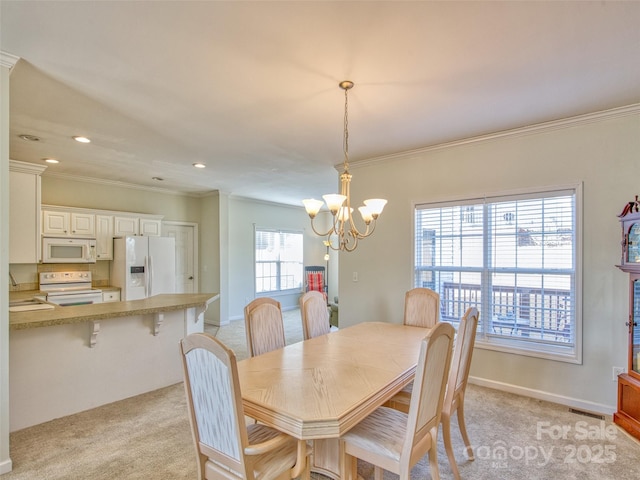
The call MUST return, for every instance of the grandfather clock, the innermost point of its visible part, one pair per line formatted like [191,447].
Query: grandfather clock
[628,414]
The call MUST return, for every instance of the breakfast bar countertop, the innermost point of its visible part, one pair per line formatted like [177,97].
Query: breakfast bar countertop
[103,311]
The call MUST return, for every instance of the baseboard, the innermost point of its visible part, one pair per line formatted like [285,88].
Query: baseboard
[215,323]
[546,396]
[6,466]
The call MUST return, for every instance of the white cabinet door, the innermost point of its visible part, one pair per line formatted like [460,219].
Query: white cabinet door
[125,226]
[63,224]
[83,224]
[24,216]
[55,223]
[150,227]
[104,237]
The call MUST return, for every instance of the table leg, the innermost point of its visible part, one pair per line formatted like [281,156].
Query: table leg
[326,458]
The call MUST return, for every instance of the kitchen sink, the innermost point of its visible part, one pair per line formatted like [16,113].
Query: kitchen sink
[29,304]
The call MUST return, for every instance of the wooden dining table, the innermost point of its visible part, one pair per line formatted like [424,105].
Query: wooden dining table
[320,388]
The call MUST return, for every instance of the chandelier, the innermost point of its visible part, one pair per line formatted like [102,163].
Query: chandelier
[343,234]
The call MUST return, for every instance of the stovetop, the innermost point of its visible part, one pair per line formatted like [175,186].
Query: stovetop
[65,281]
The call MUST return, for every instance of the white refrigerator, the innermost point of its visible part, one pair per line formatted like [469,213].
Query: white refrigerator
[143,266]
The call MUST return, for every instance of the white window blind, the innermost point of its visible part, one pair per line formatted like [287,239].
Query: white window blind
[278,260]
[514,258]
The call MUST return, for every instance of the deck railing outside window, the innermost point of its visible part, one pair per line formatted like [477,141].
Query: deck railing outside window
[533,313]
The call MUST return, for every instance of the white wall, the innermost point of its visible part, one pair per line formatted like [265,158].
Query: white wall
[211,245]
[244,214]
[603,151]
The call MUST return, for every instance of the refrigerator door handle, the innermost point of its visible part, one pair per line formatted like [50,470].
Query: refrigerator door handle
[146,277]
[150,277]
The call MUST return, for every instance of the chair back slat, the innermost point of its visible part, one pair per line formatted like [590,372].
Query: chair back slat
[429,386]
[461,363]
[314,314]
[215,418]
[421,307]
[264,326]
[214,401]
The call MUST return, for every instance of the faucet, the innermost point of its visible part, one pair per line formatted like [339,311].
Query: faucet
[13,280]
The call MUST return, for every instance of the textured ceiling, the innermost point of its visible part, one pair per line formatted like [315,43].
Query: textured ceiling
[251,88]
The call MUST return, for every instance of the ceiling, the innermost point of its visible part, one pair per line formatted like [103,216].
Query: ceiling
[251,88]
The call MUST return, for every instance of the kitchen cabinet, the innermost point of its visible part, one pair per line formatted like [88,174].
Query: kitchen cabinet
[24,211]
[137,225]
[103,225]
[110,296]
[125,226]
[104,237]
[83,224]
[68,224]
[150,227]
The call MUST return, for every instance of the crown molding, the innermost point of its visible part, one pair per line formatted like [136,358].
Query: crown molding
[7,60]
[553,125]
[114,183]
[24,167]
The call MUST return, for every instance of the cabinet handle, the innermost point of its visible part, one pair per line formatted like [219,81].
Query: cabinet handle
[191,278]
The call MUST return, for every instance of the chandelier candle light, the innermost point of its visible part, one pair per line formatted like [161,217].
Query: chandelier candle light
[343,228]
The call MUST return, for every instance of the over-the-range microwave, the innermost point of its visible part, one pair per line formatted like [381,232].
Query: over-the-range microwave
[68,250]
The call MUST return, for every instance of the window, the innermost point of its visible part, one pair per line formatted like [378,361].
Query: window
[278,260]
[515,258]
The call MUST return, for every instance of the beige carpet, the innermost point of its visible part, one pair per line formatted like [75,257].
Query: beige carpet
[148,437]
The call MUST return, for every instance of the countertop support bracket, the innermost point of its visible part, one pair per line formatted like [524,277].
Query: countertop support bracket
[158,318]
[95,329]
[200,310]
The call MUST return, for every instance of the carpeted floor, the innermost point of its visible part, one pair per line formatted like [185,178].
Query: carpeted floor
[148,437]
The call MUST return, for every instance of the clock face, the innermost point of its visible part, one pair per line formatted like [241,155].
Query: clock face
[633,242]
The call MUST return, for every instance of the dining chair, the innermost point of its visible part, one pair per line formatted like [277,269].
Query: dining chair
[456,387]
[264,326]
[421,307]
[227,448]
[315,280]
[393,440]
[315,315]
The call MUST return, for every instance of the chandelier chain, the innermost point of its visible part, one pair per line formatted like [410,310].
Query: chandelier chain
[346,130]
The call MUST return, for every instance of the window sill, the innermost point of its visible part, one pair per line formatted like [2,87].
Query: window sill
[567,355]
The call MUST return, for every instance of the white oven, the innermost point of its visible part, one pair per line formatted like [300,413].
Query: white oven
[69,288]
[68,250]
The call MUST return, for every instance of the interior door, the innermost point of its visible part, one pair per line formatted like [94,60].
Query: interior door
[184,234]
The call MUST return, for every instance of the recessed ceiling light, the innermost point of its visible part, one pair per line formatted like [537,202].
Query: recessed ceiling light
[199,165]
[31,138]
[51,160]
[81,139]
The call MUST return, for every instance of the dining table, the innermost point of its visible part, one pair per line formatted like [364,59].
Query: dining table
[318,389]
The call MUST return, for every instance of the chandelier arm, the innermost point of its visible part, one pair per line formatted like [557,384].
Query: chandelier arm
[351,248]
[326,234]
